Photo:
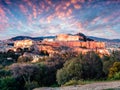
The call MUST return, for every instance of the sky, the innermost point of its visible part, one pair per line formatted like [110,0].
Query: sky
[99,18]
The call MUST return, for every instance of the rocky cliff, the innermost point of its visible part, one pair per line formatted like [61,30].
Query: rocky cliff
[71,44]
[77,46]
[78,42]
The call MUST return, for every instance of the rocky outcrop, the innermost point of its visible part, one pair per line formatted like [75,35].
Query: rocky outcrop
[78,42]
[47,48]
[23,43]
[53,47]
[87,45]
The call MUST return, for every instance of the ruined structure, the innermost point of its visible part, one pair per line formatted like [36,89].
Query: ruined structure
[69,37]
[66,37]
[77,43]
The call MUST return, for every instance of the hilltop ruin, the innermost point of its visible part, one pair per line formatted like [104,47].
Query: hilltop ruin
[78,43]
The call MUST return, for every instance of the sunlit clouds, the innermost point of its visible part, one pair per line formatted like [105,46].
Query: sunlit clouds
[99,18]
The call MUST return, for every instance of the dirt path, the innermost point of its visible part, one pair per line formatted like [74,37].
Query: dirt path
[93,86]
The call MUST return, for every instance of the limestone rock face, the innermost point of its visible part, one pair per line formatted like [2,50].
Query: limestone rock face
[52,47]
[49,49]
[23,43]
[87,45]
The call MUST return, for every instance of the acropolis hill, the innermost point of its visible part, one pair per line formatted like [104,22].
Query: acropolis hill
[78,43]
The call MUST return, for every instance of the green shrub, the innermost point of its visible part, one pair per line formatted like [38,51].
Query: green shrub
[9,83]
[62,76]
[88,66]
[72,70]
[92,66]
[4,73]
[31,85]
[114,69]
[116,76]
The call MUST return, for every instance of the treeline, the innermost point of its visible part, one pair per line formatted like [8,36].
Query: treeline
[61,69]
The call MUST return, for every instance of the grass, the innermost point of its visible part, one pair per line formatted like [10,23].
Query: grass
[83,82]
[112,89]
[77,82]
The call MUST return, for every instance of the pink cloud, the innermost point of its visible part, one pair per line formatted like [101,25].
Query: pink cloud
[107,19]
[74,1]
[50,18]
[29,3]
[23,9]
[69,12]
[96,20]
[34,12]
[67,4]
[8,1]
[3,17]
[49,2]
[77,6]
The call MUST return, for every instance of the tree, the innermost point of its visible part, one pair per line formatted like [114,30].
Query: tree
[116,55]
[4,73]
[108,61]
[62,76]
[9,83]
[26,71]
[72,70]
[114,69]
[92,66]
[41,76]
[87,66]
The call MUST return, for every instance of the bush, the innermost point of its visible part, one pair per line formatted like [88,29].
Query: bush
[72,70]
[116,76]
[88,66]
[31,85]
[114,69]
[4,73]
[108,61]
[9,83]
[92,66]
[62,76]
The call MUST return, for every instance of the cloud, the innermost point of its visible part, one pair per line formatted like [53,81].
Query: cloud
[77,6]
[48,17]
[23,9]
[8,1]
[34,12]
[28,2]
[3,17]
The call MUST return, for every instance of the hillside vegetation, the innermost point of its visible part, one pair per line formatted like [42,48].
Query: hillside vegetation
[68,68]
